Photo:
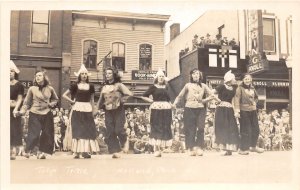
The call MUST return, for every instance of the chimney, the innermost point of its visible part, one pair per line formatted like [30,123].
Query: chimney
[174,30]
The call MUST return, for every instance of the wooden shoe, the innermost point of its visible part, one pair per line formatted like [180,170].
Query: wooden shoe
[76,156]
[157,154]
[86,155]
[199,152]
[41,156]
[244,152]
[226,153]
[192,153]
[256,149]
[26,155]
[116,155]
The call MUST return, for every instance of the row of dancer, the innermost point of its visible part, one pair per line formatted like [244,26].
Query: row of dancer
[41,97]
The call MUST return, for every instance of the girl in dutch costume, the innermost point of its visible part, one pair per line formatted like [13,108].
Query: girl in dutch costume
[112,100]
[16,98]
[82,115]
[226,128]
[40,98]
[161,113]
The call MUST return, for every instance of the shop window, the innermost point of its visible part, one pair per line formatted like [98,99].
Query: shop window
[145,62]
[90,54]
[269,35]
[118,56]
[40,27]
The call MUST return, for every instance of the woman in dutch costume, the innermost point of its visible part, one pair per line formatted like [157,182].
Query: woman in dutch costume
[82,117]
[161,113]
[16,98]
[226,128]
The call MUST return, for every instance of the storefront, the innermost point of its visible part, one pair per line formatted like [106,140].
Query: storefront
[272,93]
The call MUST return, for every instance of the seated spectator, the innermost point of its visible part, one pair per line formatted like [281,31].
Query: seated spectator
[287,142]
[57,139]
[177,145]
[277,141]
[132,138]
[142,146]
[102,145]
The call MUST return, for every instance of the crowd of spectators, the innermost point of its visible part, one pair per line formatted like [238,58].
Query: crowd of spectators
[200,42]
[275,131]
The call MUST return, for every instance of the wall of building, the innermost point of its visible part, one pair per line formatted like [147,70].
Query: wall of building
[29,56]
[54,48]
[117,32]
[207,23]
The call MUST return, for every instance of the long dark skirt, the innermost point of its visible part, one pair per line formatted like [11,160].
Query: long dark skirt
[160,121]
[83,125]
[15,130]
[40,132]
[226,129]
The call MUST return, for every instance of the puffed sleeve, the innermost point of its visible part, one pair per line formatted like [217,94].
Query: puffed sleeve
[92,89]
[149,91]
[219,88]
[20,89]
[73,89]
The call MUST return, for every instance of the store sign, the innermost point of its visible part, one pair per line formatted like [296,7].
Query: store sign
[256,83]
[257,64]
[143,75]
[145,51]
[27,84]
[271,83]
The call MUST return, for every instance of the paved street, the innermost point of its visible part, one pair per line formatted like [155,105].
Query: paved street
[269,167]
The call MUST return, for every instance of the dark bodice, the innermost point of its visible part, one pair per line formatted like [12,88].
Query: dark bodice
[15,90]
[159,94]
[82,95]
[225,94]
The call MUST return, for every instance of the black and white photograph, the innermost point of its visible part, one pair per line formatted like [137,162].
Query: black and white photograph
[149,95]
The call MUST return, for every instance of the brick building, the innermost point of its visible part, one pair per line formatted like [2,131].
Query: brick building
[41,39]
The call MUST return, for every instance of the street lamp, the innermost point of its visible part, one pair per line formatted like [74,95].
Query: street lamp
[288,63]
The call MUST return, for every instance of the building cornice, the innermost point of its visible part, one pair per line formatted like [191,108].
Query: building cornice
[122,15]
